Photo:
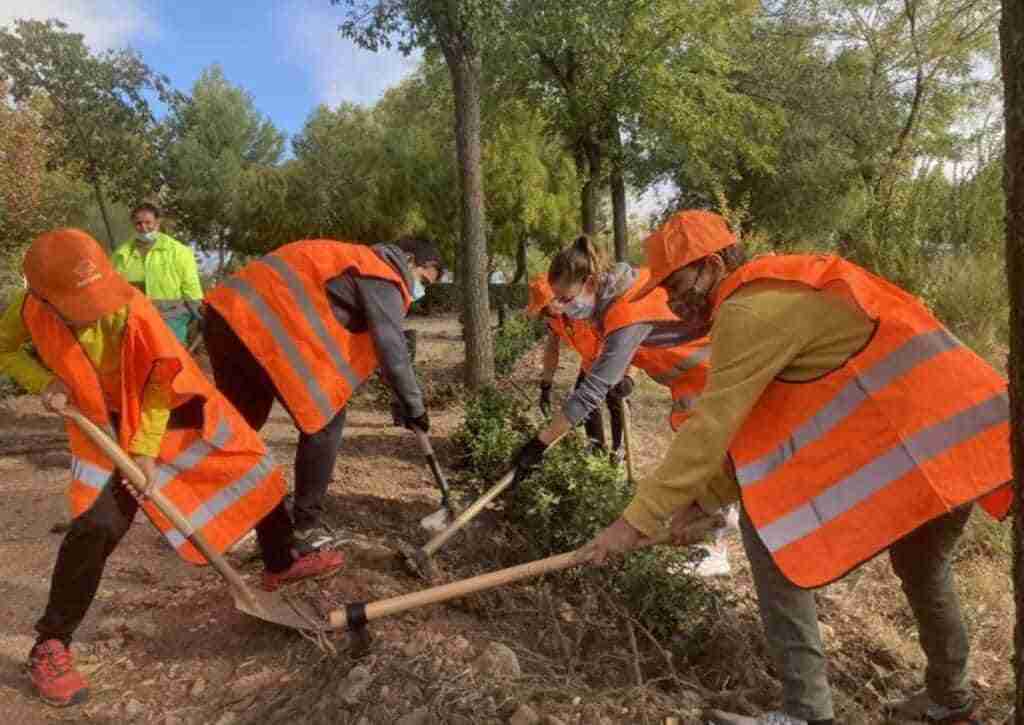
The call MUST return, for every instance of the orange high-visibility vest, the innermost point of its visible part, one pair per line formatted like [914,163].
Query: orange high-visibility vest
[278,307]
[682,368]
[222,478]
[832,471]
[580,335]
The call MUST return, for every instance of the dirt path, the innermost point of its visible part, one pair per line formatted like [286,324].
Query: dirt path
[163,643]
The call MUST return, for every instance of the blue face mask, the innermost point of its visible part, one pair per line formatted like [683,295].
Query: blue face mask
[418,290]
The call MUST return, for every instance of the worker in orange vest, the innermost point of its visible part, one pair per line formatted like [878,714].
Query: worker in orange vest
[581,336]
[854,423]
[306,325]
[615,333]
[102,345]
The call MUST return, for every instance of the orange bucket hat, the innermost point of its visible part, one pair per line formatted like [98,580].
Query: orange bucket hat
[541,295]
[686,237]
[69,269]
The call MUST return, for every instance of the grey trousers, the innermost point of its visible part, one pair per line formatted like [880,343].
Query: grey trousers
[922,560]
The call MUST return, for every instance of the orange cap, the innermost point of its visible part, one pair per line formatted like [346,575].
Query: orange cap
[69,269]
[541,295]
[686,237]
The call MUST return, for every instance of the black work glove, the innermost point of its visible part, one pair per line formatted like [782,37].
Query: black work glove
[623,389]
[527,459]
[545,398]
[421,422]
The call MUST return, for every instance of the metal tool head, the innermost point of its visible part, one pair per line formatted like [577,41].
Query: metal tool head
[417,562]
[275,607]
[437,521]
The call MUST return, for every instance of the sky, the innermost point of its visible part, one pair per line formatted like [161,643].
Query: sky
[287,53]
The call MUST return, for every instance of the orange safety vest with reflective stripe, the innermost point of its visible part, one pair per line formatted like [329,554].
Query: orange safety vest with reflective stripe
[222,478]
[682,368]
[278,307]
[834,470]
[580,335]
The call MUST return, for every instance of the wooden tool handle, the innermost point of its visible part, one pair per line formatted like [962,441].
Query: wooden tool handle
[341,618]
[627,438]
[475,508]
[137,480]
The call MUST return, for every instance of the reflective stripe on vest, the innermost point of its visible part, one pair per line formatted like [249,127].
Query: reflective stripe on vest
[193,456]
[224,499]
[887,468]
[689,362]
[90,474]
[899,362]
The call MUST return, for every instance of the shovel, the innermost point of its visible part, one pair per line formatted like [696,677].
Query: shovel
[440,518]
[268,606]
[355,616]
[418,560]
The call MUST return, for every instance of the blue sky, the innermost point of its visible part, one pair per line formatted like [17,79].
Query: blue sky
[288,54]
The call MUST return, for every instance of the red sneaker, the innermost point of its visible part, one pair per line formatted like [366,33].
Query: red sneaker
[318,563]
[53,673]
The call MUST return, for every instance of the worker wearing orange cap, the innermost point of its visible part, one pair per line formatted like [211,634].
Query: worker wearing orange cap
[584,339]
[854,422]
[103,345]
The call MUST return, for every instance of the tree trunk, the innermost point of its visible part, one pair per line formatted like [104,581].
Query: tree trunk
[588,195]
[1012,34]
[618,190]
[103,212]
[520,275]
[464,66]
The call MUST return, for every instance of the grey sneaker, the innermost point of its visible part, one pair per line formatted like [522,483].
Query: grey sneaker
[920,706]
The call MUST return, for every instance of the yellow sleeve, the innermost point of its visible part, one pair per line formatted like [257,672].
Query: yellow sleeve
[155,414]
[15,360]
[747,352]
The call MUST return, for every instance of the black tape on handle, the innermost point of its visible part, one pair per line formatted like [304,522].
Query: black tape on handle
[355,615]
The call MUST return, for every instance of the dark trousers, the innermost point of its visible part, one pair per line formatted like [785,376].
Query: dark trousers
[594,423]
[242,380]
[94,535]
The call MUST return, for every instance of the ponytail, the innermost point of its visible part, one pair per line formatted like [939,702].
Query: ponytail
[577,263]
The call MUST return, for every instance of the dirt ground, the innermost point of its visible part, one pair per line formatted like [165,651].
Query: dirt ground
[163,644]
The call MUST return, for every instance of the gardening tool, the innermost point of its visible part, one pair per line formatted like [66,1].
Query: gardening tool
[269,606]
[438,520]
[627,438]
[418,560]
[355,616]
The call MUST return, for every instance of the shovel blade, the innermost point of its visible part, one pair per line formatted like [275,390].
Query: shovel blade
[437,521]
[275,608]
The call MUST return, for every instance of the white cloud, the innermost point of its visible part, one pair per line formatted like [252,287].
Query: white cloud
[104,23]
[339,70]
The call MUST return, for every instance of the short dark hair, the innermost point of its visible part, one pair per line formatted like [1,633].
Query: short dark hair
[425,252]
[146,206]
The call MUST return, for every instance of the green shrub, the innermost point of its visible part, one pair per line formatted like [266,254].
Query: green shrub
[513,339]
[571,497]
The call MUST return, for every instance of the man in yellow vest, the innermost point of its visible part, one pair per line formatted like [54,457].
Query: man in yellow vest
[100,344]
[852,422]
[163,269]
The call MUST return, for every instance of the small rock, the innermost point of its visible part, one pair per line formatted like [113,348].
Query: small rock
[354,685]
[198,687]
[498,660]
[577,700]
[134,708]
[419,716]
[525,715]
[827,631]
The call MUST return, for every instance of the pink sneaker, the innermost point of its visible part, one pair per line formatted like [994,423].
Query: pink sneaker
[319,563]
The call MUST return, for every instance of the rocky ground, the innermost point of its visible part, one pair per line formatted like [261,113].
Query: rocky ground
[163,643]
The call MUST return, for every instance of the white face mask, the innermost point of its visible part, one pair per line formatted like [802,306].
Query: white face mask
[147,237]
[581,307]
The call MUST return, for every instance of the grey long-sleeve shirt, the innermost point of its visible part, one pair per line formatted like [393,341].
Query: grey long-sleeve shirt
[619,347]
[370,304]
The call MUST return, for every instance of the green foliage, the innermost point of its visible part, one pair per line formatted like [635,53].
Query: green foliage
[515,337]
[569,499]
[97,104]
[220,148]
